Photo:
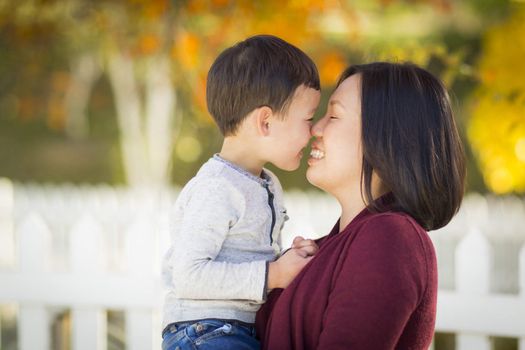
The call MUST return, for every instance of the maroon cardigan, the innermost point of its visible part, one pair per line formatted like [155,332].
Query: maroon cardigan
[371,286]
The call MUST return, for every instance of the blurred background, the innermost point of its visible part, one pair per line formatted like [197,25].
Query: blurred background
[103,101]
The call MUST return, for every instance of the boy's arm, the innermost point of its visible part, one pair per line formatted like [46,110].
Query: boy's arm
[209,214]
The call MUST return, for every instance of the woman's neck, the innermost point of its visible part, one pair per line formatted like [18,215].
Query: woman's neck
[353,202]
[351,205]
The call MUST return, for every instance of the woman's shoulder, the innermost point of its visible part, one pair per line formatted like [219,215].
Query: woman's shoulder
[391,221]
[394,229]
[393,242]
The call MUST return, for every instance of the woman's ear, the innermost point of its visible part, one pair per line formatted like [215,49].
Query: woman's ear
[263,117]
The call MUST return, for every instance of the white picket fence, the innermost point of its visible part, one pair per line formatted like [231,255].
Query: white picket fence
[91,249]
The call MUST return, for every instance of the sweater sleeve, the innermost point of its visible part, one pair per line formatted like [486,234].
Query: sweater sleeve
[380,283]
[211,210]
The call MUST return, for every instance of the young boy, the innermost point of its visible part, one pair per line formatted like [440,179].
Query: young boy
[262,93]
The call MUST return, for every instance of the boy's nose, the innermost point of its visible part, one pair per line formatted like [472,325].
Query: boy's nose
[316,129]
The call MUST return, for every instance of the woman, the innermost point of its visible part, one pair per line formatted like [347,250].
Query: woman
[388,150]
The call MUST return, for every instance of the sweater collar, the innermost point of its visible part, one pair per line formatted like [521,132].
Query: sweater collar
[264,180]
[386,202]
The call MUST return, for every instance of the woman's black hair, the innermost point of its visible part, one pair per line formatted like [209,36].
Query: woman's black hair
[410,140]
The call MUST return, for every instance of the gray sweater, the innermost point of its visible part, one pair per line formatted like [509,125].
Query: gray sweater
[225,229]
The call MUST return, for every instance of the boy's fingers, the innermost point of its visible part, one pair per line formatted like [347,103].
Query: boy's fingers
[306,243]
[309,250]
[297,240]
[302,253]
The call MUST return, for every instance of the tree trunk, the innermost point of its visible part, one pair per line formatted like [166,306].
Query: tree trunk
[84,73]
[146,140]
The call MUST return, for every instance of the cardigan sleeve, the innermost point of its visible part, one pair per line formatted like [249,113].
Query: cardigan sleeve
[381,280]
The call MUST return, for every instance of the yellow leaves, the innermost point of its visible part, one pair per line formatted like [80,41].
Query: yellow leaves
[497,135]
[502,64]
[412,51]
[519,149]
[497,125]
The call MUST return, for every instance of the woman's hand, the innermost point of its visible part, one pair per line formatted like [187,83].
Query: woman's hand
[306,247]
[282,271]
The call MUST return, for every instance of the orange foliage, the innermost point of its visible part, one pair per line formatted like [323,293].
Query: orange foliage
[186,50]
[331,65]
[148,44]
[56,113]
[151,8]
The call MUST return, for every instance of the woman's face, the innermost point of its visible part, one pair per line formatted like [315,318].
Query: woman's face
[336,158]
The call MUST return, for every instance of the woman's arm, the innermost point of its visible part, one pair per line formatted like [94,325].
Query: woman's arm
[381,282]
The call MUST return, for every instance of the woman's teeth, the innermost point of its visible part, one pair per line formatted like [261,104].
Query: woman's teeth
[317,154]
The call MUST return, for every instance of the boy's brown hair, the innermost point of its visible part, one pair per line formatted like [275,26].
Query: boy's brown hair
[262,70]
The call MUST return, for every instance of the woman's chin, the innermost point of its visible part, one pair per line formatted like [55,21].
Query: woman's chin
[312,176]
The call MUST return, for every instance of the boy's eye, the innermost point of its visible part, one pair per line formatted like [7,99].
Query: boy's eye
[333,117]
[310,119]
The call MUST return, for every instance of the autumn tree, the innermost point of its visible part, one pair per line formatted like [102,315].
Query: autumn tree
[155,55]
[497,123]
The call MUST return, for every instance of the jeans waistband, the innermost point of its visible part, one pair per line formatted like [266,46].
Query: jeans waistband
[180,324]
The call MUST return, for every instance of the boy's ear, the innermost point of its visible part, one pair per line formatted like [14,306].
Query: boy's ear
[263,117]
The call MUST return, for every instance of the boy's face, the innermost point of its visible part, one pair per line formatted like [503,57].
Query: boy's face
[290,133]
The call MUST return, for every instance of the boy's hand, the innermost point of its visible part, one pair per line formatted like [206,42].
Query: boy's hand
[282,271]
[306,247]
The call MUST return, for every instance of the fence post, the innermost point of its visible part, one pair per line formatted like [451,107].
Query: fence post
[521,271]
[473,263]
[33,252]
[89,323]
[140,243]
[7,241]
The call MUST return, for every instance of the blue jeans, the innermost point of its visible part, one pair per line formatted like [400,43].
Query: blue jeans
[209,334]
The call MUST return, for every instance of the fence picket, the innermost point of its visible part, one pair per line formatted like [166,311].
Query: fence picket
[471,305]
[89,322]
[140,242]
[521,272]
[34,327]
[140,329]
[33,247]
[473,263]
[89,328]
[7,242]
[140,245]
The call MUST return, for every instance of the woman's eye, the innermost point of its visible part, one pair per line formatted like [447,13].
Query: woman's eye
[332,117]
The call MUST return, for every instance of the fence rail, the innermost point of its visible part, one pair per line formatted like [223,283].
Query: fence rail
[92,249]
